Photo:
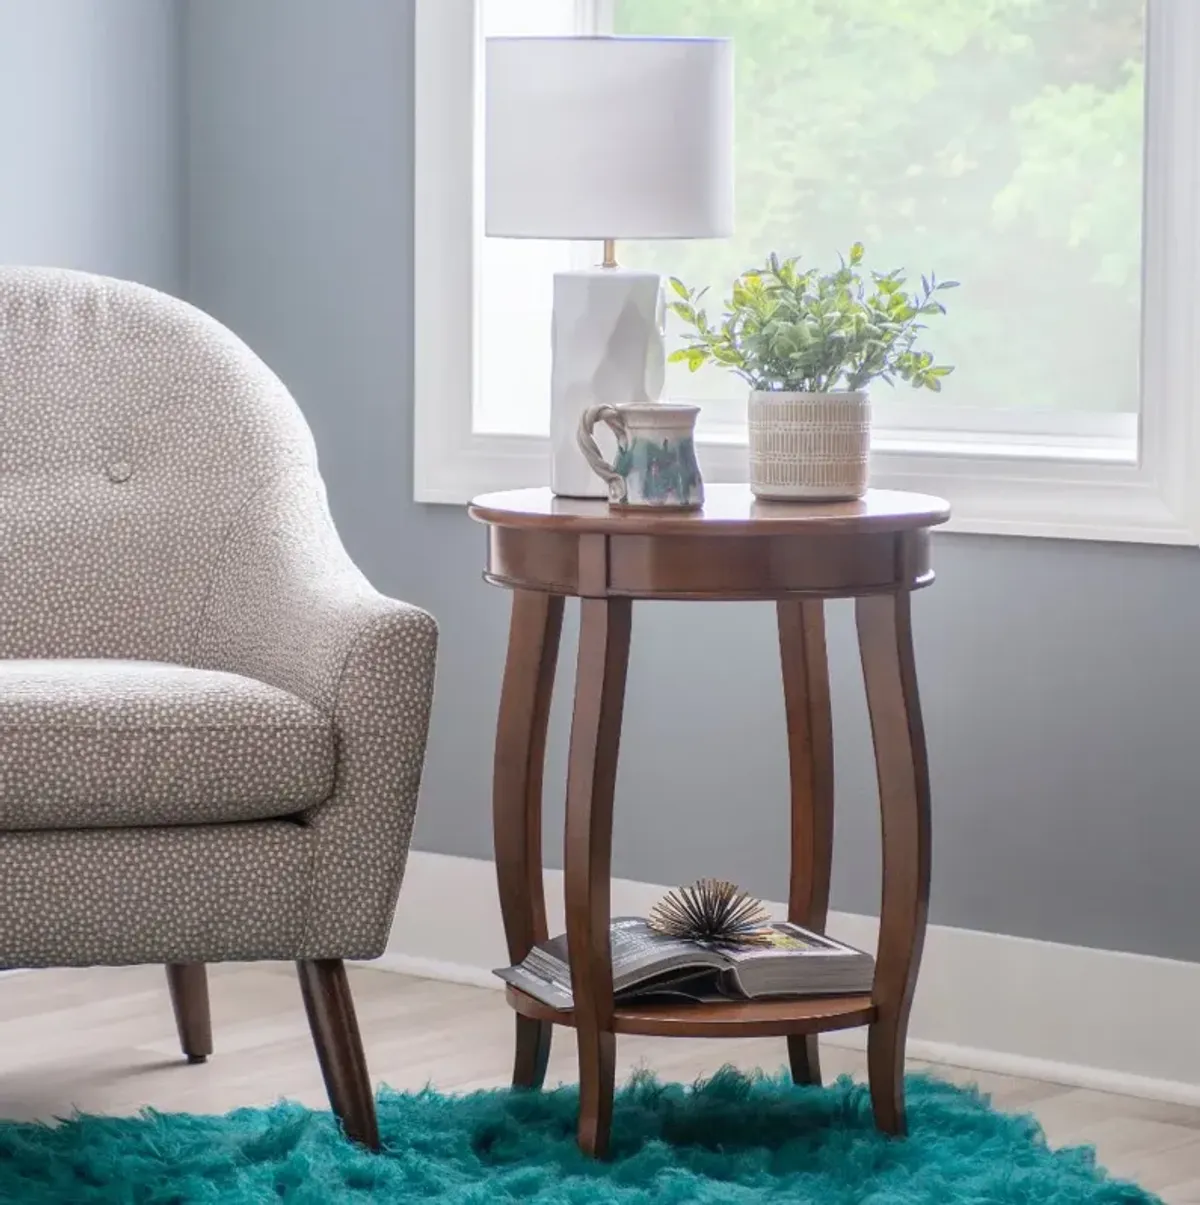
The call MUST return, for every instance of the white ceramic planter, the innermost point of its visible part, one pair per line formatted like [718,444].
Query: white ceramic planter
[809,445]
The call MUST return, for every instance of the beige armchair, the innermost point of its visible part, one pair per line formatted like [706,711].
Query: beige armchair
[212,728]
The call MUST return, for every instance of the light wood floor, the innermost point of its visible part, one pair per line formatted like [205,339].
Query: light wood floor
[103,1041]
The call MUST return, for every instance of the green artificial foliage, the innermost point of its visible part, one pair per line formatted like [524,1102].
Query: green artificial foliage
[806,331]
[733,1140]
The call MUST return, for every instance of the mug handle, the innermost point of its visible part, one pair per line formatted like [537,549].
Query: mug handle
[613,418]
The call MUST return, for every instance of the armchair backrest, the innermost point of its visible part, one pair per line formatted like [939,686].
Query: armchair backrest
[134,430]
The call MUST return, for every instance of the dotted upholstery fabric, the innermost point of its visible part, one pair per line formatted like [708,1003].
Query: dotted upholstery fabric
[160,501]
[96,744]
[212,893]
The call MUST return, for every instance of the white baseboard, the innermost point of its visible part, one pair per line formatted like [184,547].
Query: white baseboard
[1099,1019]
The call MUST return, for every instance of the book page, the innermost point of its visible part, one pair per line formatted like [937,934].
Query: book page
[638,952]
[532,984]
[786,940]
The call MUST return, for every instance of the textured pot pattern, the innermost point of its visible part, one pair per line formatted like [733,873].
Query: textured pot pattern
[809,445]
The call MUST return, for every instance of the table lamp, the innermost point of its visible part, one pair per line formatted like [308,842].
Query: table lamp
[606,138]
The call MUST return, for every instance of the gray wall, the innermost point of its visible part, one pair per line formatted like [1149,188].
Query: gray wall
[1062,681]
[91,153]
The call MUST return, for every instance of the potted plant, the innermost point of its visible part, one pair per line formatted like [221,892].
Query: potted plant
[808,344]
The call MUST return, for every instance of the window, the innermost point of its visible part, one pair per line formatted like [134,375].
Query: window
[1043,152]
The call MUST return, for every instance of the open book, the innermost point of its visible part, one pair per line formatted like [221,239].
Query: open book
[647,965]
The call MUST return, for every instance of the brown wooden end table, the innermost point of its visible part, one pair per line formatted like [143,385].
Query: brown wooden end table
[545,549]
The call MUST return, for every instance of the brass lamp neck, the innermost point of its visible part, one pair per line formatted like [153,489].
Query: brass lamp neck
[610,253]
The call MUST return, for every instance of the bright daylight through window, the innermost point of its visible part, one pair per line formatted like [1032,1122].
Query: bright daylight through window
[1044,153]
[999,144]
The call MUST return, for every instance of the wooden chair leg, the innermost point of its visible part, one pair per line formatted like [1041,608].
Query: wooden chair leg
[188,982]
[334,1026]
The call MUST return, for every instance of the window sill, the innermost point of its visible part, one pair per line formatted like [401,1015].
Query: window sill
[1040,489]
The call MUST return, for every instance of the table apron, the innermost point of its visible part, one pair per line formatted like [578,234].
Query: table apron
[712,567]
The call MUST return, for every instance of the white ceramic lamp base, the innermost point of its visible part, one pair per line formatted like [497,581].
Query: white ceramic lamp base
[608,349]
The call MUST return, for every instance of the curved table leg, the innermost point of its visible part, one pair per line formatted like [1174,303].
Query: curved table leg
[517,799]
[889,670]
[604,631]
[810,758]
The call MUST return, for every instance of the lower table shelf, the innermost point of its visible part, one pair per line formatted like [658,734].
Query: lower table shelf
[735,1019]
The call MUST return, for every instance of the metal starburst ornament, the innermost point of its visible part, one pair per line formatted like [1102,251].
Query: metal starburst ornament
[711,910]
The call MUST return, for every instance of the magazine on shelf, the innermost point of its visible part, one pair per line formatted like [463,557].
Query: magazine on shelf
[648,966]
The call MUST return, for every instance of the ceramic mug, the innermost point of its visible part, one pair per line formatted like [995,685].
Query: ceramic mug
[655,464]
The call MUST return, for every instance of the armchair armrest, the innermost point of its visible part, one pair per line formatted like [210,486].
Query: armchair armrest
[288,607]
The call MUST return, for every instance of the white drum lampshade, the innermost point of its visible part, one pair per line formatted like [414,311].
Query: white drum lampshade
[606,138]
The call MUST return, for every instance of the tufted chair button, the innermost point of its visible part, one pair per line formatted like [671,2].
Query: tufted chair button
[120,470]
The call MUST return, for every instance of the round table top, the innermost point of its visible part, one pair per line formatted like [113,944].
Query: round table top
[728,510]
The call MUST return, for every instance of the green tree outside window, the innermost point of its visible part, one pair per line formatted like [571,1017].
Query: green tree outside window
[998,139]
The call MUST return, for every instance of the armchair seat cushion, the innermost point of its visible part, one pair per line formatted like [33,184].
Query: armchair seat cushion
[116,744]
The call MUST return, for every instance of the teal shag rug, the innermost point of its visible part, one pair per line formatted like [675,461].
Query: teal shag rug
[732,1139]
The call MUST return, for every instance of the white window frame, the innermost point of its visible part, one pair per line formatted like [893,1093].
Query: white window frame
[1020,483]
